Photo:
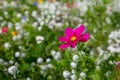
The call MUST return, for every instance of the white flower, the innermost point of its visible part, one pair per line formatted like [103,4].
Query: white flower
[18,27]
[5,13]
[13,4]
[26,12]
[1,60]
[10,24]
[7,45]
[53,52]
[73,64]
[19,15]
[98,68]
[43,67]
[111,62]
[28,78]
[107,74]
[80,79]
[39,39]
[73,71]
[34,13]
[3,23]
[75,57]
[50,66]
[73,77]
[48,60]
[11,61]
[5,4]
[83,74]
[66,74]
[17,54]
[116,5]
[59,25]
[57,56]
[1,18]
[35,24]
[39,60]
[42,23]
[13,70]
[22,54]
[57,12]
[39,28]
[14,38]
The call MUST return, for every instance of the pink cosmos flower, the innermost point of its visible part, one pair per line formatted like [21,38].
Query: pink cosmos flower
[5,29]
[73,36]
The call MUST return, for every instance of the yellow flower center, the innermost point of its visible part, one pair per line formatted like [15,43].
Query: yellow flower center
[40,1]
[14,33]
[73,38]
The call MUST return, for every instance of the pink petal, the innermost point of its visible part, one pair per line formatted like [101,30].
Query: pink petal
[69,32]
[117,63]
[73,45]
[62,39]
[85,37]
[63,46]
[78,31]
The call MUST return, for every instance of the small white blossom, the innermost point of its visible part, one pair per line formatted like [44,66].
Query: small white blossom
[66,74]
[1,60]
[75,57]
[39,39]
[111,62]
[14,38]
[13,70]
[53,53]
[83,74]
[26,12]
[73,77]
[43,67]
[10,24]
[42,23]
[98,68]
[11,61]
[73,64]
[57,56]
[48,60]
[17,54]
[22,54]
[35,24]
[39,28]
[13,4]
[34,13]
[7,45]
[28,78]
[73,71]
[39,60]
[18,27]
[50,66]
[107,74]
[5,13]
[19,15]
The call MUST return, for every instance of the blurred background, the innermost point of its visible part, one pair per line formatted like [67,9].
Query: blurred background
[29,45]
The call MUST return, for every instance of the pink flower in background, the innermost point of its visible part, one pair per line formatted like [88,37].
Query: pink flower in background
[117,63]
[5,29]
[73,36]
[117,68]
